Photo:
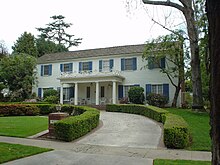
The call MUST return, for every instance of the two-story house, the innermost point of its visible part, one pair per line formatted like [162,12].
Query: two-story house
[100,76]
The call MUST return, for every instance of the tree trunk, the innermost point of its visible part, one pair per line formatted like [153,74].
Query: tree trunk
[177,91]
[213,13]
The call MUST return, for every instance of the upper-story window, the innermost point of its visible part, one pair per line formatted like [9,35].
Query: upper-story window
[129,64]
[85,66]
[68,67]
[106,65]
[156,63]
[46,70]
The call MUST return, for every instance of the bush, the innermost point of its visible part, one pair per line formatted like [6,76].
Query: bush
[176,132]
[136,95]
[50,92]
[52,99]
[18,110]
[74,127]
[156,100]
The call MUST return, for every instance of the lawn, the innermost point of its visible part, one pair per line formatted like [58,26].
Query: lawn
[22,126]
[10,152]
[199,127]
[179,162]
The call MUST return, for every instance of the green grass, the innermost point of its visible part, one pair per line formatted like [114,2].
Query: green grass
[10,152]
[179,162]
[22,126]
[199,128]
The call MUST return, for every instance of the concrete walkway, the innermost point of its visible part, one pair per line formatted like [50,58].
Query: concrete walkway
[122,139]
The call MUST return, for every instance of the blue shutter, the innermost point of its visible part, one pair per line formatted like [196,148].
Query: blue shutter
[136,85]
[122,64]
[39,92]
[80,67]
[111,63]
[166,90]
[70,67]
[50,69]
[42,70]
[90,66]
[148,89]
[134,63]
[100,65]
[162,62]
[71,90]
[120,91]
[61,67]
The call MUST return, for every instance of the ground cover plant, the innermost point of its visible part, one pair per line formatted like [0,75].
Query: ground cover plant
[180,162]
[10,152]
[22,126]
[199,128]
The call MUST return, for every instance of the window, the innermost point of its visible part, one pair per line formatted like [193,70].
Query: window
[126,89]
[158,89]
[66,67]
[66,94]
[156,63]
[85,66]
[46,70]
[106,65]
[129,64]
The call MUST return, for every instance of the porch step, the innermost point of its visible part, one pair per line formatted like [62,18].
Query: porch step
[99,107]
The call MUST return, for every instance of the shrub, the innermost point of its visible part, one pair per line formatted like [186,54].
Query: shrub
[52,99]
[45,109]
[136,95]
[50,92]
[156,100]
[18,110]
[74,127]
[176,132]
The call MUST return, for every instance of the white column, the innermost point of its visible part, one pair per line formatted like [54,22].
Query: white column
[97,94]
[114,93]
[61,94]
[76,94]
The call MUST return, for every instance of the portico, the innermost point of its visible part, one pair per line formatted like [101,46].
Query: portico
[91,87]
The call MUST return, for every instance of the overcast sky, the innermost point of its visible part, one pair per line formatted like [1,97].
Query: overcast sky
[101,23]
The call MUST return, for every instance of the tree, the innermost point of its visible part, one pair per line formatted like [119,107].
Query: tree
[169,47]
[25,44]
[46,47]
[213,8]
[18,75]
[189,12]
[55,31]
[3,49]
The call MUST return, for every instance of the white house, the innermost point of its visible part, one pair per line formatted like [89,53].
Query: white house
[100,76]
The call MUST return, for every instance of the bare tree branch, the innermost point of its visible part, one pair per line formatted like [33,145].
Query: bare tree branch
[164,3]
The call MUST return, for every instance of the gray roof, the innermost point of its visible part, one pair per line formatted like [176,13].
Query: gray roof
[99,52]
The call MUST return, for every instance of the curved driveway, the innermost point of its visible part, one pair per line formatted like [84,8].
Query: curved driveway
[125,130]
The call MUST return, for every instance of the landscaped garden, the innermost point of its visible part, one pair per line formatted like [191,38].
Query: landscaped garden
[11,152]
[180,162]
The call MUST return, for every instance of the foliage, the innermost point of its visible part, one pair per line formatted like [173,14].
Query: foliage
[51,99]
[199,128]
[156,99]
[22,75]
[25,45]
[136,95]
[74,127]
[3,49]
[46,47]
[50,92]
[18,110]
[176,131]
[170,48]
[180,162]
[55,31]
[11,152]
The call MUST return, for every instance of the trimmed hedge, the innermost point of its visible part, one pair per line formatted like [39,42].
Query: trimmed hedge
[18,110]
[176,131]
[74,127]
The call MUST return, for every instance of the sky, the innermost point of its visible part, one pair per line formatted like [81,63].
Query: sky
[100,23]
